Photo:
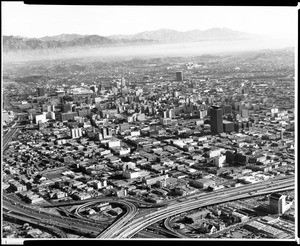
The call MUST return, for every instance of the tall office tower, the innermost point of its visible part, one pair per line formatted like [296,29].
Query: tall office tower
[245,113]
[99,88]
[123,83]
[179,76]
[41,91]
[277,203]
[216,121]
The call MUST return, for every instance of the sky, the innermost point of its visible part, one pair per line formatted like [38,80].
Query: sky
[36,21]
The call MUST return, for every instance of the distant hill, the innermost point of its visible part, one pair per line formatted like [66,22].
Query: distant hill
[169,35]
[13,43]
[62,37]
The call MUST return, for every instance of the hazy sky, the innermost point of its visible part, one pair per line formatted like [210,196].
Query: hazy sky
[46,20]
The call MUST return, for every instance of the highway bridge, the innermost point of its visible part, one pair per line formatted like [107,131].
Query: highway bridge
[138,203]
[131,210]
[143,221]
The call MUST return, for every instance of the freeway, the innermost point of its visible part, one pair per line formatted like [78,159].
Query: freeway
[168,227]
[143,204]
[10,134]
[133,222]
[89,228]
[149,234]
[243,192]
[8,137]
[19,211]
[161,231]
[35,222]
[131,211]
[138,203]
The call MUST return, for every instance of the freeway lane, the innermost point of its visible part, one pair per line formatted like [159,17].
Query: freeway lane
[165,214]
[90,227]
[161,231]
[251,187]
[215,197]
[131,210]
[141,204]
[48,227]
[168,227]
[8,137]
[150,234]
[57,221]
[10,134]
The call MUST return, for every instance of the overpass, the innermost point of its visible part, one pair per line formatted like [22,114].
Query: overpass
[142,221]
[135,220]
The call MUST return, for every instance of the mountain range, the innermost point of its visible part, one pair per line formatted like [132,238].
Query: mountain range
[169,35]
[15,43]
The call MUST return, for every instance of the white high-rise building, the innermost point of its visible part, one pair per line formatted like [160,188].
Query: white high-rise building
[277,203]
[76,132]
[219,160]
[202,113]
[79,132]
[52,115]
[73,133]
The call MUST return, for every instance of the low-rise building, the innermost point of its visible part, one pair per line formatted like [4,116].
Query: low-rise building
[202,183]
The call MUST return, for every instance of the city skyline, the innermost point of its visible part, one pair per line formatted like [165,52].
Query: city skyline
[35,21]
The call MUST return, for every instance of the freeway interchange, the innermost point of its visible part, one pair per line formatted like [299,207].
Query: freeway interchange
[144,220]
[139,215]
